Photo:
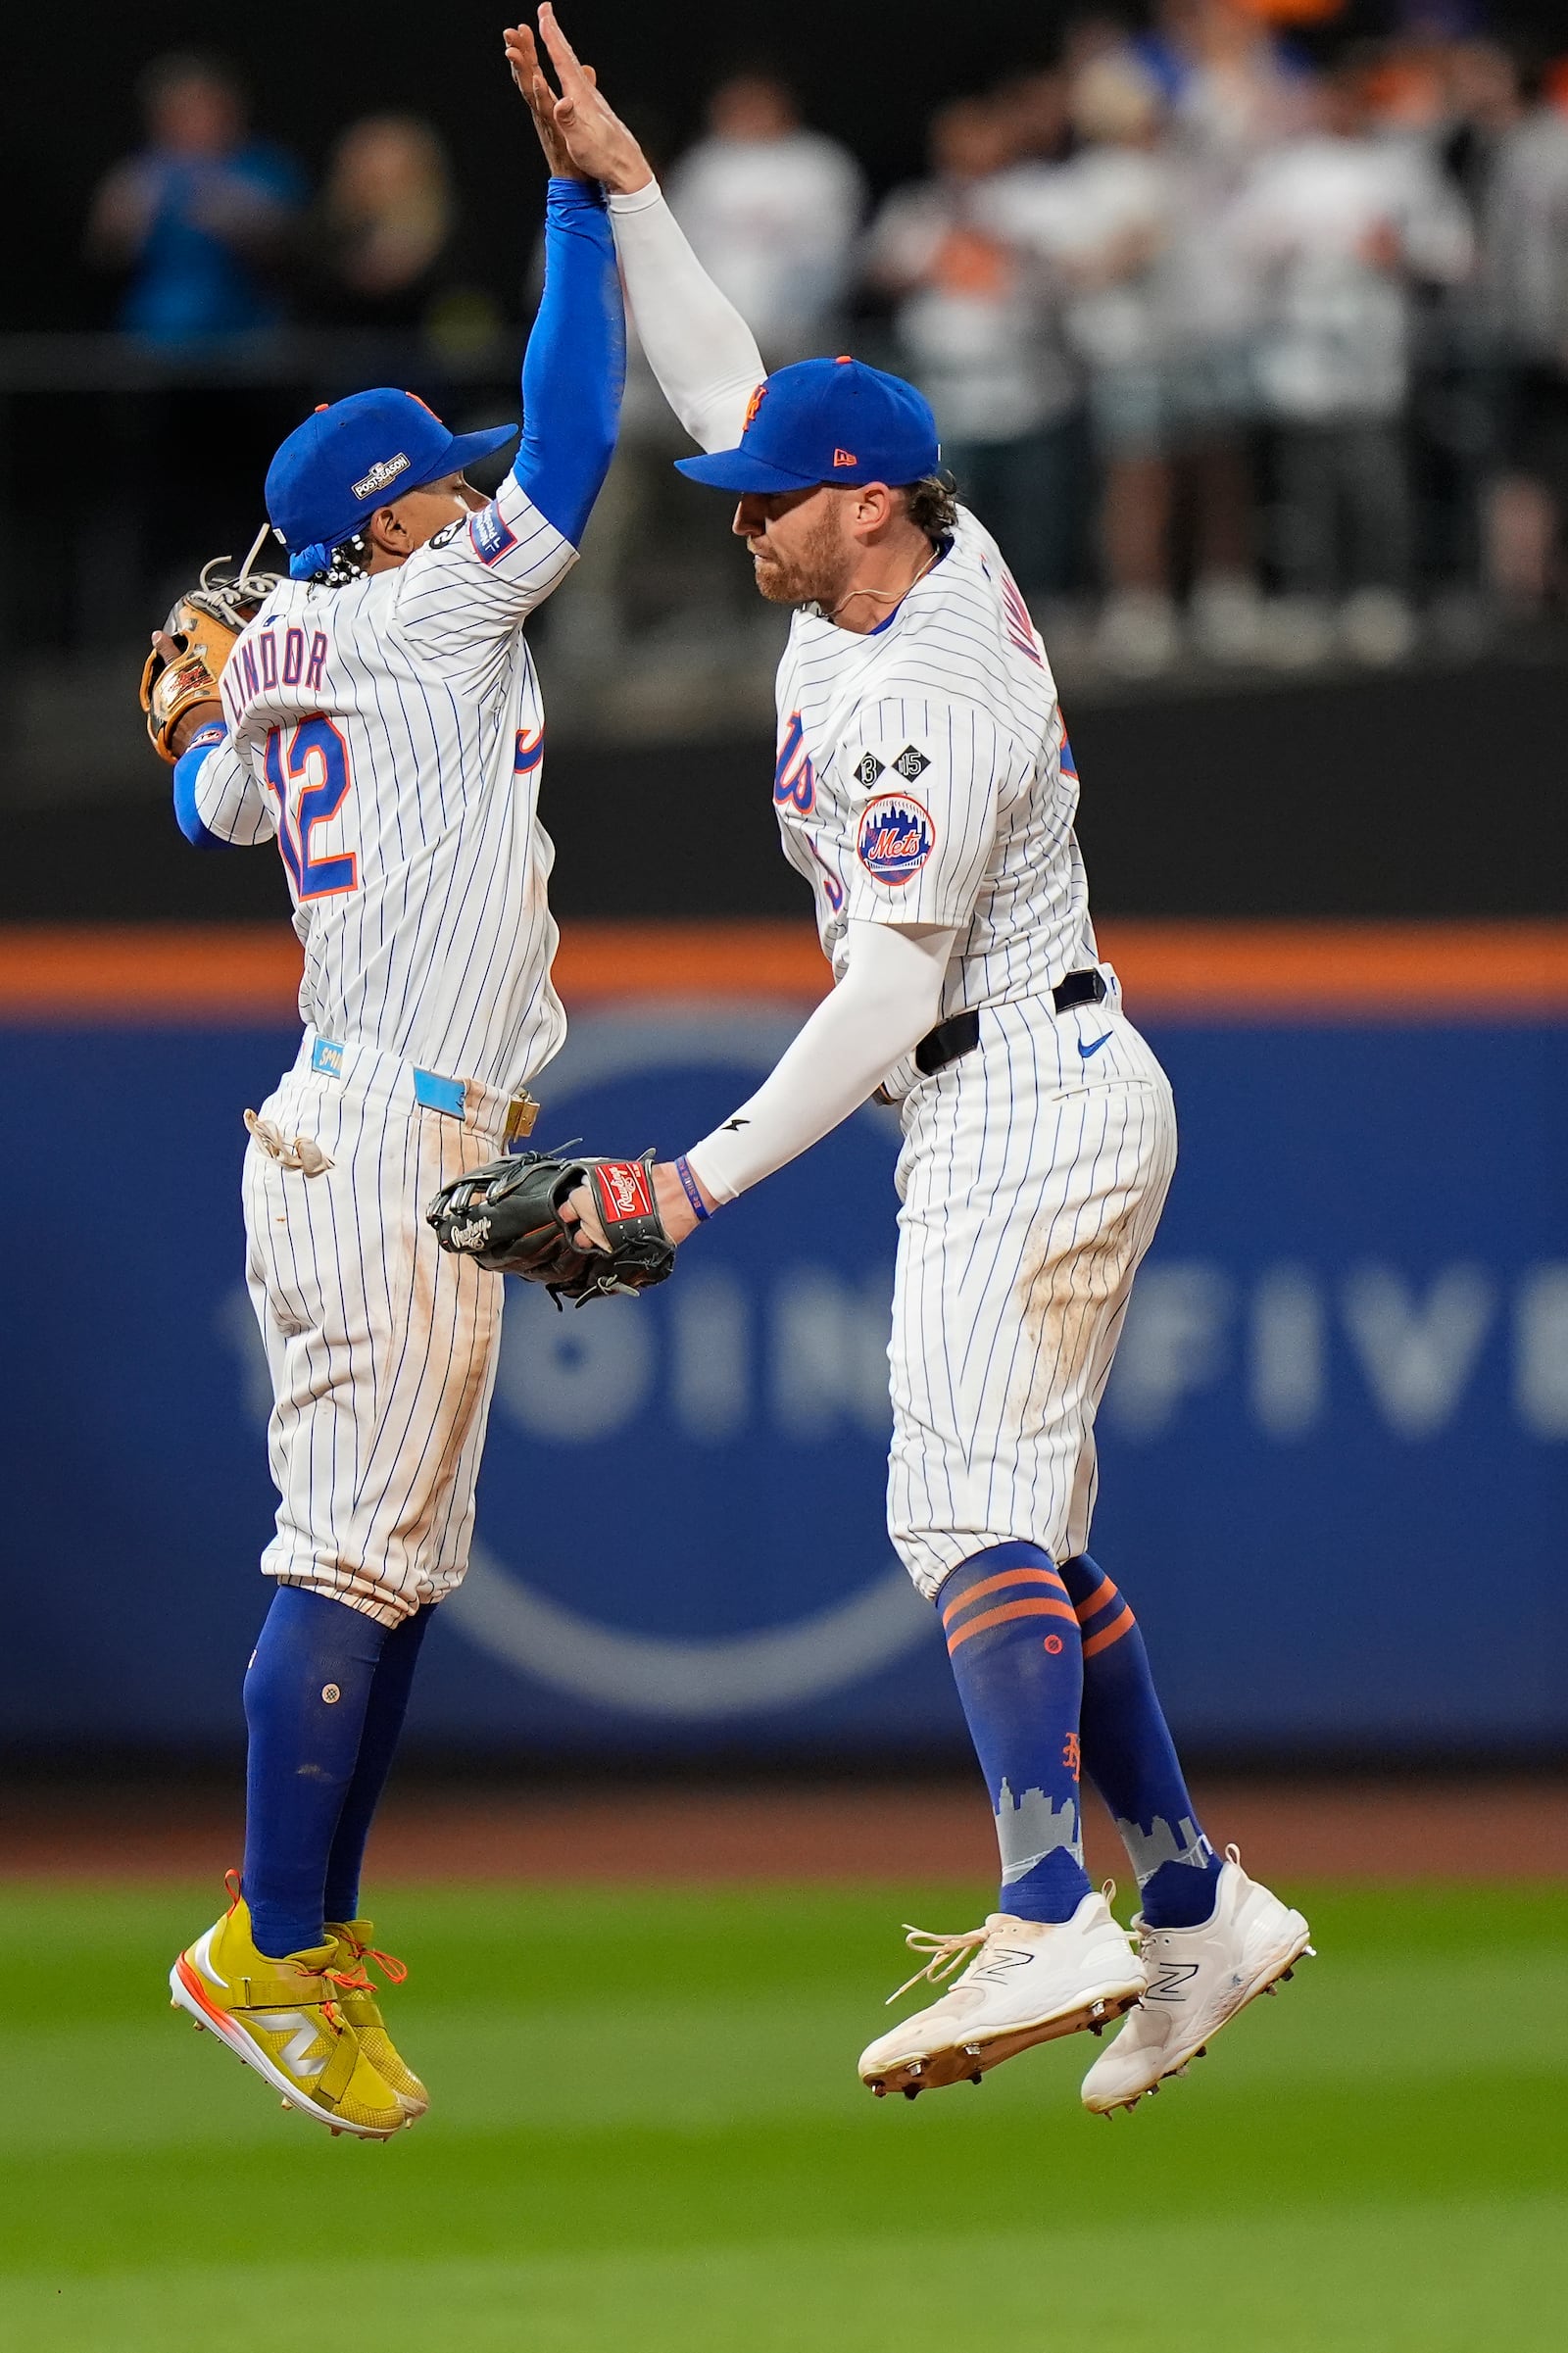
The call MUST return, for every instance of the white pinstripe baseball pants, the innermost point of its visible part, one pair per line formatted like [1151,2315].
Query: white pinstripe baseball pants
[381,1347]
[1032,1177]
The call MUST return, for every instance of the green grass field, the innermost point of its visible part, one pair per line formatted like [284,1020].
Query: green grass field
[648,2135]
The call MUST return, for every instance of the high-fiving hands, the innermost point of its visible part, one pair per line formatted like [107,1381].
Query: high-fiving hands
[578,125]
[673,1202]
[523,56]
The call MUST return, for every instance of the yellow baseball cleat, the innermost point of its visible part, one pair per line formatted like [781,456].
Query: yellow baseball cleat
[360,2006]
[286,2020]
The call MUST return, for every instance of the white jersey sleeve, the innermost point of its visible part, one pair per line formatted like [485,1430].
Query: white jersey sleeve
[229,801]
[878,1013]
[698,345]
[927,779]
[479,580]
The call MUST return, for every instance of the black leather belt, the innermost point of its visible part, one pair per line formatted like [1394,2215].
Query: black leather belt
[959,1034]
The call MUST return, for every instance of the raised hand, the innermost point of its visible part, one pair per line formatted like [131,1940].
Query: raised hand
[523,56]
[599,143]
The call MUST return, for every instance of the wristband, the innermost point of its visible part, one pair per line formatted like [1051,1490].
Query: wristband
[215,731]
[691,1189]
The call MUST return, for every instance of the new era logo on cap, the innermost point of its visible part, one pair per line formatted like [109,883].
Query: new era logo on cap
[818,421]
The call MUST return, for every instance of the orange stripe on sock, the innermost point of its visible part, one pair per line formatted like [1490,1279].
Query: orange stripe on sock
[1112,1632]
[993,1585]
[1100,1598]
[1039,1608]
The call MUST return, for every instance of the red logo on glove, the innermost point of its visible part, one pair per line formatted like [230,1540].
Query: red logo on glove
[624,1189]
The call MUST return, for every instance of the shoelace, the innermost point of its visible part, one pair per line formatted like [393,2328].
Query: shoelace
[350,1982]
[946,1953]
[392,1968]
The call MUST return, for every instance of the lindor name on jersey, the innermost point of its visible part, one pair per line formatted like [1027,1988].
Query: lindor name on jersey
[924,776]
[388,735]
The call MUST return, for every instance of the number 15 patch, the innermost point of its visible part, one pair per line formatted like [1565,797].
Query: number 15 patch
[895,838]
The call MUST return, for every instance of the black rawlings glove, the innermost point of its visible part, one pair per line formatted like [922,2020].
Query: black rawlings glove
[507,1216]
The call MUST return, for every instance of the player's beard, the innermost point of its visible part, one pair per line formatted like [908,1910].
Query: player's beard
[814,574]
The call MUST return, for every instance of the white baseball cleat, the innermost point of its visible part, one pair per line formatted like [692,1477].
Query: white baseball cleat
[1199,1979]
[1027,1982]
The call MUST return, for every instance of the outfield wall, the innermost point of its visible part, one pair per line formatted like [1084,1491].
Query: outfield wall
[1334,1449]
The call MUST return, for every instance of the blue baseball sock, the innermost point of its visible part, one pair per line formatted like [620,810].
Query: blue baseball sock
[383,1725]
[305,1696]
[1017,1661]
[1132,1758]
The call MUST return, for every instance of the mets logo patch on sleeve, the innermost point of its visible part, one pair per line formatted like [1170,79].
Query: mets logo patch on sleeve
[491,536]
[895,838]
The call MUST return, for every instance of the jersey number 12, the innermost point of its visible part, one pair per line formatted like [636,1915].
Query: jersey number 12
[310,779]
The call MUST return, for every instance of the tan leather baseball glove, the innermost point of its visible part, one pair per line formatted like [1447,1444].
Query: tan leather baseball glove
[204,624]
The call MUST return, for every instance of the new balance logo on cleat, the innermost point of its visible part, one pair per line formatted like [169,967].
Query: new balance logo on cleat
[1026,1982]
[1168,1986]
[284,2019]
[303,2037]
[1199,1980]
[999,1960]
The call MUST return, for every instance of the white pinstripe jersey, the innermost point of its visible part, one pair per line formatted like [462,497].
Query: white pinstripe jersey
[924,776]
[390,735]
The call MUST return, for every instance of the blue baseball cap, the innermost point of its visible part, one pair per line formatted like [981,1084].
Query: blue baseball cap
[334,470]
[826,420]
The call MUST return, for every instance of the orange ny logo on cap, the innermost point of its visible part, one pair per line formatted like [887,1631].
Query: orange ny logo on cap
[751,407]
[845,458]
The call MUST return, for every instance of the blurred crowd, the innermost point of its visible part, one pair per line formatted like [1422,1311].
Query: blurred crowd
[1250,355]
[214,231]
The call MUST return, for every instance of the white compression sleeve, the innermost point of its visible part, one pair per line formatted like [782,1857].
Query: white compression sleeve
[882,1007]
[700,348]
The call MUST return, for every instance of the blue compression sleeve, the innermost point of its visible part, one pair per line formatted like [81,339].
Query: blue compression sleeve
[575,362]
[186,771]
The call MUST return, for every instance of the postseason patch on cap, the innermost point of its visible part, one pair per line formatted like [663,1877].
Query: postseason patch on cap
[384,470]
[895,838]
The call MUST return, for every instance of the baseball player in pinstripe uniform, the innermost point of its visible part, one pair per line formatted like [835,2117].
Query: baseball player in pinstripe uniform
[380,722]
[925,789]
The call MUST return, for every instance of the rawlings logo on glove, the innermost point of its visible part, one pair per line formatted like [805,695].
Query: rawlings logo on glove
[205,625]
[508,1216]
